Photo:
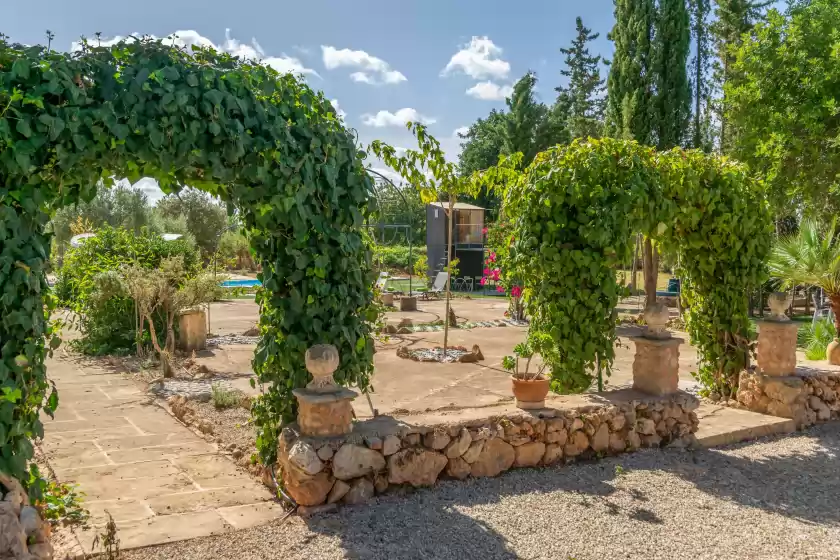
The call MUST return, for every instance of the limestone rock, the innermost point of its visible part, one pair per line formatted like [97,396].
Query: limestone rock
[304,457]
[339,490]
[474,450]
[436,440]
[418,467]
[559,437]
[481,433]
[30,520]
[633,440]
[352,461]
[12,537]
[518,440]
[458,468]
[529,455]
[496,457]
[361,490]
[617,422]
[412,439]
[646,426]
[459,445]
[555,425]
[391,445]
[380,483]
[786,390]
[325,453]
[41,551]
[307,491]
[652,440]
[374,443]
[617,443]
[601,439]
[553,453]
[577,424]
[818,406]
[578,443]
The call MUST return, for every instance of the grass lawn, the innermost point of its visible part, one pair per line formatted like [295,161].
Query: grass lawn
[661,279]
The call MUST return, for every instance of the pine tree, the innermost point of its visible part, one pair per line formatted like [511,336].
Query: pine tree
[733,19]
[672,102]
[701,117]
[530,127]
[583,95]
[630,84]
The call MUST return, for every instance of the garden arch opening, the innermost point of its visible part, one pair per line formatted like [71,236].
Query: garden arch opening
[258,140]
[576,210]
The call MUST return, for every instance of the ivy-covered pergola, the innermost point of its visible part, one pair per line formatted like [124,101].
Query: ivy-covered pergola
[263,142]
[575,211]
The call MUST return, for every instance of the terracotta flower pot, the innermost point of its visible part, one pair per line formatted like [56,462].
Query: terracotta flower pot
[832,353]
[530,393]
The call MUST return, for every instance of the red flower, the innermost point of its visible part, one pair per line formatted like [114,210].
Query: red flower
[500,289]
[516,291]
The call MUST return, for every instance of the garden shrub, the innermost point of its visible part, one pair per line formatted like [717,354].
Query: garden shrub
[105,314]
[573,211]
[397,256]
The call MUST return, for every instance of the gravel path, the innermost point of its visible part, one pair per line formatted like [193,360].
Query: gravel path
[770,499]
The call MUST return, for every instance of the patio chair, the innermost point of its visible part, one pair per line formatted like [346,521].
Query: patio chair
[438,287]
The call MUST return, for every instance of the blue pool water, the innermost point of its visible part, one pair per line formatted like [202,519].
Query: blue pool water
[240,283]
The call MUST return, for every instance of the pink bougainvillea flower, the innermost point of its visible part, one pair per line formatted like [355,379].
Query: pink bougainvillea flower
[496,274]
[500,289]
[483,281]
[486,271]
[484,231]
[492,256]
[516,291]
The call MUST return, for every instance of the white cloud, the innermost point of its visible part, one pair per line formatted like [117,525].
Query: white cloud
[478,59]
[400,118]
[371,70]
[460,130]
[490,91]
[338,111]
[247,51]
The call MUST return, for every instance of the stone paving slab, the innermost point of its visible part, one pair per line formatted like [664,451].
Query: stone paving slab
[159,480]
[723,425]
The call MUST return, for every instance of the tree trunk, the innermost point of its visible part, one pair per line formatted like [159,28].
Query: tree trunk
[635,268]
[165,366]
[834,302]
[651,265]
[449,275]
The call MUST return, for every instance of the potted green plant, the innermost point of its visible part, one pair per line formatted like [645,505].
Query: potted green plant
[529,387]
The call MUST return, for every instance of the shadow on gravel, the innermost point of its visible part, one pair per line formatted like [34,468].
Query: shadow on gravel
[435,523]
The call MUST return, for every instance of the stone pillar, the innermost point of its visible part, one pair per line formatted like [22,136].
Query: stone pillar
[776,350]
[408,303]
[324,408]
[387,299]
[657,361]
[192,330]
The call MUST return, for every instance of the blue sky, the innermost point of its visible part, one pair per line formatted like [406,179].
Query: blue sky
[444,61]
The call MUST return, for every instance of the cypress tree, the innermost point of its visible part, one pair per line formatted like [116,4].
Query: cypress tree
[582,95]
[630,83]
[701,125]
[672,102]
[531,127]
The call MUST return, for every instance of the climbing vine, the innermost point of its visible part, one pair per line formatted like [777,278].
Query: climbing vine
[261,141]
[575,208]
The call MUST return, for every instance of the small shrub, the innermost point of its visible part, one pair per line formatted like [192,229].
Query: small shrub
[223,398]
[817,337]
[397,256]
[61,503]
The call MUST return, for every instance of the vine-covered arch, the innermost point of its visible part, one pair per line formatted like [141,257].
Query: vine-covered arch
[261,141]
[576,209]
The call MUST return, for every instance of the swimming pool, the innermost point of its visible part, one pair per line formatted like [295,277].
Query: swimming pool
[241,283]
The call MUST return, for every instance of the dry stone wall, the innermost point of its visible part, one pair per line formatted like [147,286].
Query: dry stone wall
[807,397]
[384,452]
[23,535]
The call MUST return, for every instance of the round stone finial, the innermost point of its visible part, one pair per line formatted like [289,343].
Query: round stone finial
[779,303]
[656,318]
[322,361]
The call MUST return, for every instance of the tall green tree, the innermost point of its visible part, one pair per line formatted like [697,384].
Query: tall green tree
[530,126]
[482,145]
[672,100]
[785,108]
[206,219]
[701,126]
[733,18]
[630,84]
[584,94]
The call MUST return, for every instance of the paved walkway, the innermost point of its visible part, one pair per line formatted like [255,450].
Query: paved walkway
[159,480]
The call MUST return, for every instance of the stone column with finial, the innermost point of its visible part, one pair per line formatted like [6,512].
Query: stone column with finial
[324,408]
[776,350]
[656,364]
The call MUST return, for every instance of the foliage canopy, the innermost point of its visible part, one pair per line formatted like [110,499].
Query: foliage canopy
[238,130]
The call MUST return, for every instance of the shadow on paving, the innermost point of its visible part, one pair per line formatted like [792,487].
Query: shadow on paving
[795,486]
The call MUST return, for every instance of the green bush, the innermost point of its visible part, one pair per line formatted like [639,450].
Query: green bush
[397,256]
[816,338]
[106,315]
